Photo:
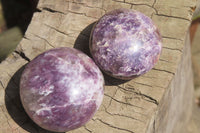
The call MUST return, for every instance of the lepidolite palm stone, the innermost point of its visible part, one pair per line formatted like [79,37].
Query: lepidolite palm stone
[61,89]
[125,43]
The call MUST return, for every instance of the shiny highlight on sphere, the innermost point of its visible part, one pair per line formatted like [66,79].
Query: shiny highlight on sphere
[61,89]
[125,43]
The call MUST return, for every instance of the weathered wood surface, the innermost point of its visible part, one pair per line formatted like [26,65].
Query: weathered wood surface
[157,102]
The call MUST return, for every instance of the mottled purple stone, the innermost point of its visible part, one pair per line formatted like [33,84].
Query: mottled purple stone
[61,89]
[125,43]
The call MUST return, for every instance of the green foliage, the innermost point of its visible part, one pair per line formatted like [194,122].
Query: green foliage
[8,41]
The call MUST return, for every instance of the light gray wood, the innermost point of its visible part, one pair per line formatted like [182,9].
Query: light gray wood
[157,102]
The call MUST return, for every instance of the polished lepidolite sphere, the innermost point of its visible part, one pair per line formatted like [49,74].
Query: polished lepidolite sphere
[61,89]
[125,43]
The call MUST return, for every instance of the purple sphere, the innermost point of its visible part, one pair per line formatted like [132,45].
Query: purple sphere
[61,89]
[125,43]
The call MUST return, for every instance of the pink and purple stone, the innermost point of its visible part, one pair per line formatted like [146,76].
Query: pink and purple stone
[125,43]
[61,89]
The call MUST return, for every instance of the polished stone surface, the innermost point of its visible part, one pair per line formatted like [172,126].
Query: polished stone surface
[125,43]
[61,89]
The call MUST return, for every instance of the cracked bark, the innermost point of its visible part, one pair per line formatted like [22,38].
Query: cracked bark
[172,17]
[58,30]
[171,38]
[128,104]
[144,96]
[87,129]
[121,115]
[114,126]
[173,49]
[1,84]
[55,11]
[44,40]
[142,105]
[23,55]
[164,71]
[51,10]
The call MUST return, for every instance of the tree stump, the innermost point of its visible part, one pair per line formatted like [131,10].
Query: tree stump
[158,102]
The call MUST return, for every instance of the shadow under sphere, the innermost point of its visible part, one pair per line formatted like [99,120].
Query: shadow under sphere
[82,43]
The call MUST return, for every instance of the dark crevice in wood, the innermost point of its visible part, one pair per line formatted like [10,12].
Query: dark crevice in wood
[114,126]
[173,49]
[119,1]
[122,115]
[22,55]
[164,71]
[55,11]
[149,77]
[1,84]
[38,10]
[132,3]
[44,40]
[85,4]
[163,15]
[153,6]
[87,129]
[154,126]
[84,14]
[9,126]
[58,30]
[111,98]
[171,38]
[143,84]
[25,37]
[133,111]
[109,103]
[140,5]
[123,102]
[150,98]
[51,10]
[144,96]
[148,85]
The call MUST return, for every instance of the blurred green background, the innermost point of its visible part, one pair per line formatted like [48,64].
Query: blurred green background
[15,15]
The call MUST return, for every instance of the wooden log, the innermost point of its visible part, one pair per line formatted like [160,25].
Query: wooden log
[158,102]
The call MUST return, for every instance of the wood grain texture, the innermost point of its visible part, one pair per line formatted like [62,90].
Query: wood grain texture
[157,102]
